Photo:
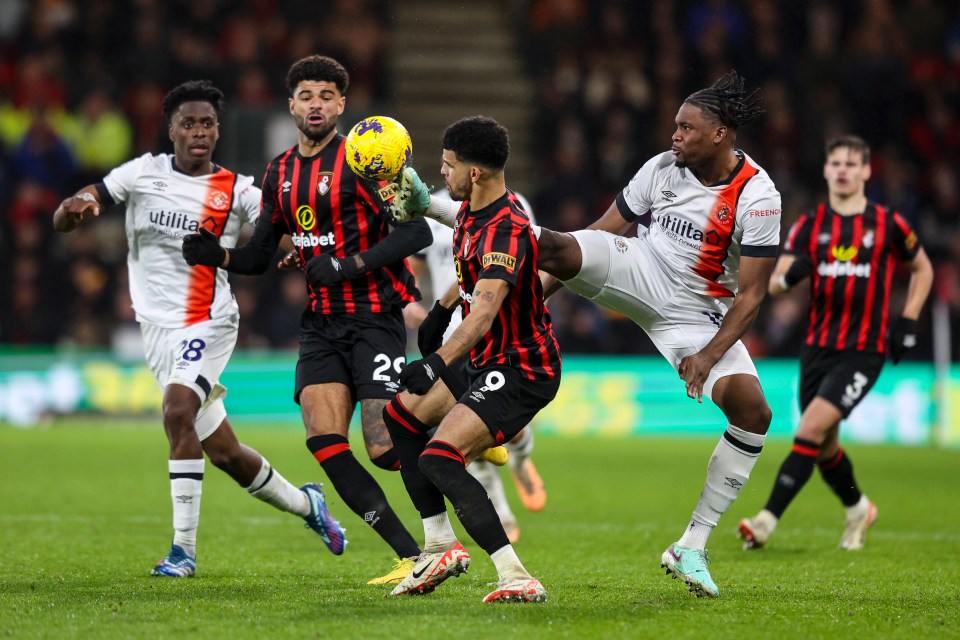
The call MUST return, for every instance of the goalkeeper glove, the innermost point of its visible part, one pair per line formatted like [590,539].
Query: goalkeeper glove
[420,375]
[324,270]
[430,335]
[203,248]
[412,199]
[903,338]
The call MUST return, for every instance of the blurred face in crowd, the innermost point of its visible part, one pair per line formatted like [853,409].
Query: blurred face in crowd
[457,176]
[194,130]
[846,172]
[315,107]
[696,138]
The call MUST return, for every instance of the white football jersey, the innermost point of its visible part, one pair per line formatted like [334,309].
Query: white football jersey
[699,232]
[439,256]
[164,205]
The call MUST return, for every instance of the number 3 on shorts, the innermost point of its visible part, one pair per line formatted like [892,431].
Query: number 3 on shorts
[192,350]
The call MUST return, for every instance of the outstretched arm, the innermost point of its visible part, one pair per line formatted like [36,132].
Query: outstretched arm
[251,259]
[405,240]
[77,208]
[420,375]
[754,276]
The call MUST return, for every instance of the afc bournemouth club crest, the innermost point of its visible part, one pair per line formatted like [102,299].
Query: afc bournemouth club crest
[324,181]
[620,244]
[218,201]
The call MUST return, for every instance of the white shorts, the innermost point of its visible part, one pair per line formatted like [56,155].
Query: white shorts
[194,357]
[621,274]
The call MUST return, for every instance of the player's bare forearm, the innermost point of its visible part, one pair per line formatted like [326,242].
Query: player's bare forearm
[486,302]
[921,281]
[777,286]
[451,297]
[735,324]
[75,209]
[754,276]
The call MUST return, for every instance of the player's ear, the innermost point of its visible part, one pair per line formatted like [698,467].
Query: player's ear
[720,134]
[170,131]
[341,105]
[290,105]
[867,171]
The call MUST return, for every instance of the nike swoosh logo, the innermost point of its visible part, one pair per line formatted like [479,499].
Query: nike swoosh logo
[422,571]
[676,556]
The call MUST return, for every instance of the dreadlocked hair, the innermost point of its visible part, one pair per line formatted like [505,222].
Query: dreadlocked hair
[728,101]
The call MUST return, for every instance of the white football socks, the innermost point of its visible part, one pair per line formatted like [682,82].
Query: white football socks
[438,534]
[729,468]
[520,448]
[488,475]
[508,564]
[186,487]
[275,490]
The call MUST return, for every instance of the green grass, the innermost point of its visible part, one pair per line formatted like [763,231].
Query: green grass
[85,514]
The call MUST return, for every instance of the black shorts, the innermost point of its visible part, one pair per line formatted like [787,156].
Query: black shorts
[456,378]
[505,400]
[363,351]
[842,378]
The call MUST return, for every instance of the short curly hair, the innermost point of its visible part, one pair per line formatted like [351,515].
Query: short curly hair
[480,140]
[318,69]
[192,91]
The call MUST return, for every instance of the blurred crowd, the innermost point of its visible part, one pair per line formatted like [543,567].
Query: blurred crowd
[81,84]
[612,75]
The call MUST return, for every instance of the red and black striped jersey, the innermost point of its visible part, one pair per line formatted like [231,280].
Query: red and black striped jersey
[854,259]
[497,242]
[327,209]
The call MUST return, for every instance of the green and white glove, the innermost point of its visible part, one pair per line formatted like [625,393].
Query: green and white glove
[413,197]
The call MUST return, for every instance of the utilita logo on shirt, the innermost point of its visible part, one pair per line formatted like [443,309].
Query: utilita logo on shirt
[311,240]
[171,222]
[683,230]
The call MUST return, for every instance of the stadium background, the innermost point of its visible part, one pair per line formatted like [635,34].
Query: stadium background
[588,88]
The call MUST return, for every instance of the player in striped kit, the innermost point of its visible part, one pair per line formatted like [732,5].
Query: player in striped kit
[849,247]
[436,263]
[514,367]
[188,315]
[693,281]
[352,338]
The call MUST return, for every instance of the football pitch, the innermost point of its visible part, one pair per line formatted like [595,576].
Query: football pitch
[86,513]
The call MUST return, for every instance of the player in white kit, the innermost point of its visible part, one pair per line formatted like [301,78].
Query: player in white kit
[188,315]
[436,263]
[693,281]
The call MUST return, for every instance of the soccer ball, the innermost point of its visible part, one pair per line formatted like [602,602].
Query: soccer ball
[378,147]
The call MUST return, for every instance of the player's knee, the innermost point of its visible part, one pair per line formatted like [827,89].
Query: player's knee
[558,254]
[759,418]
[387,460]
[440,462]
[401,422]
[178,418]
